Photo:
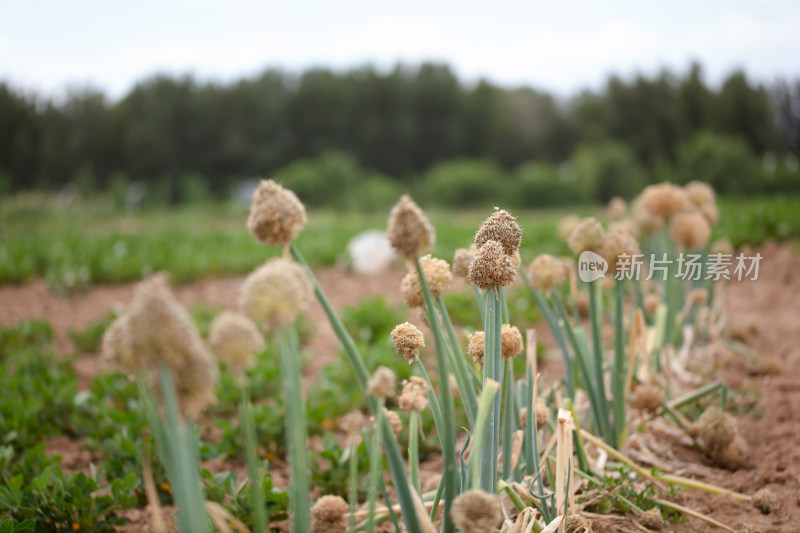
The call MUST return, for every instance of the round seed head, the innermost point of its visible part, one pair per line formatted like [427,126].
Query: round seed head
[616,208]
[476,511]
[648,399]
[503,228]
[617,245]
[710,212]
[734,455]
[409,232]
[438,275]
[511,341]
[651,303]
[652,519]
[664,199]
[541,414]
[715,429]
[329,515]
[195,386]
[625,225]
[690,230]
[722,246]
[116,346]
[475,347]
[236,341]
[160,331]
[394,421]
[276,214]
[408,339]
[275,293]
[546,272]
[461,260]
[382,383]
[766,501]
[699,193]
[352,423]
[567,225]
[491,267]
[588,235]
[577,523]
[413,396]
[647,223]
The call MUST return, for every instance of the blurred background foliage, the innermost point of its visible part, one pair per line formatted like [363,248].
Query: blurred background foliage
[360,137]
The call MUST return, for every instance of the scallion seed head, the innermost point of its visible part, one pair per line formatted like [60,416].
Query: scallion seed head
[409,231]
[276,214]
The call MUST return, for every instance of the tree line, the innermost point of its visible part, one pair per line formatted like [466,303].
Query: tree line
[178,135]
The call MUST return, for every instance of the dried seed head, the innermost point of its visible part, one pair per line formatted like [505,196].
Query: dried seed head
[516,260]
[722,246]
[476,511]
[414,395]
[588,235]
[409,232]
[394,421]
[541,415]
[567,225]
[546,272]
[116,345]
[618,245]
[408,339]
[651,303]
[699,193]
[275,293]
[491,267]
[710,212]
[699,296]
[436,272]
[664,199]
[647,223]
[648,399]
[329,515]
[715,429]
[157,330]
[382,383]
[690,230]
[766,501]
[475,347]
[276,215]
[577,523]
[652,519]
[769,366]
[625,225]
[616,208]
[503,228]
[734,455]
[352,423]
[511,341]
[236,341]
[461,260]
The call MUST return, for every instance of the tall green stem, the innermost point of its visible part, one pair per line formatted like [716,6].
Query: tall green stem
[296,429]
[260,517]
[492,369]
[447,433]
[619,371]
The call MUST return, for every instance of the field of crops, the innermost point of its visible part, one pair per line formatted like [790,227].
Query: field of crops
[617,405]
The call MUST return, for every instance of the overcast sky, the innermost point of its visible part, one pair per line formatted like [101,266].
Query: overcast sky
[561,45]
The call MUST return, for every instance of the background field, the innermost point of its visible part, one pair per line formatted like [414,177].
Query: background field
[75,244]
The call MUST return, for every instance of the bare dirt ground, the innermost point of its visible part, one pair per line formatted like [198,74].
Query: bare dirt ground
[770,307]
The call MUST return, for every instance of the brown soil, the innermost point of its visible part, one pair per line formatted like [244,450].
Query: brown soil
[769,308]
